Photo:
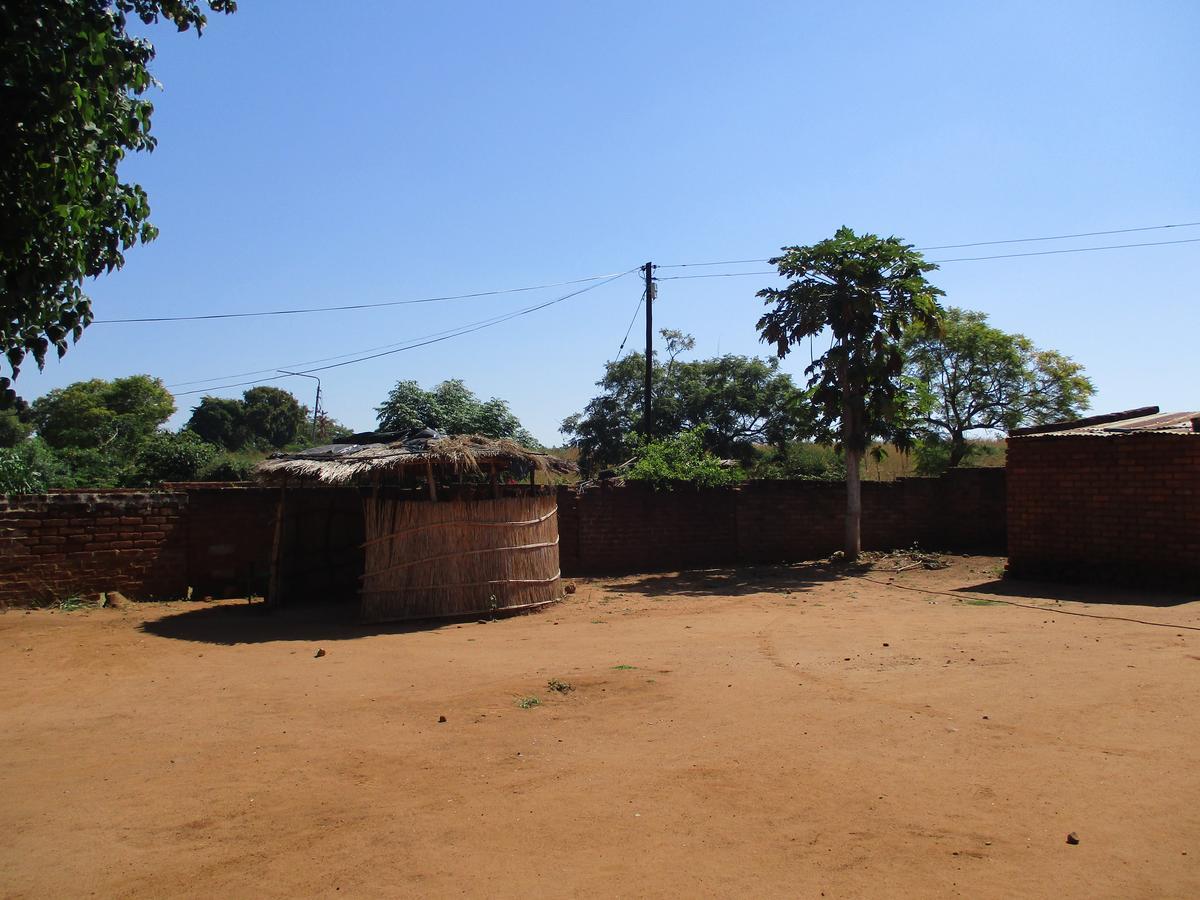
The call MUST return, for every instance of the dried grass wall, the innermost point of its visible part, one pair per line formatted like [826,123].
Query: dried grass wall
[459,557]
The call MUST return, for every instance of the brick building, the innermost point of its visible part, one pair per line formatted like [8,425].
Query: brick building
[1109,498]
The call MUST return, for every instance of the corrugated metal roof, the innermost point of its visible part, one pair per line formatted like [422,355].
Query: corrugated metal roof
[1177,423]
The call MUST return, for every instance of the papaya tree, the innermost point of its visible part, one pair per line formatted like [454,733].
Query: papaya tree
[865,291]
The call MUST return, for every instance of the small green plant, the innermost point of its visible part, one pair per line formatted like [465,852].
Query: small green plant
[528,702]
[561,687]
[73,604]
[980,601]
[623,666]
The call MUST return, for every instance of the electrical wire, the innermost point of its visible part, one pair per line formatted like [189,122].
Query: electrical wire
[1070,250]
[420,342]
[310,362]
[1062,237]
[629,330]
[714,275]
[964,595]
[1053,237]
[350,306]
[960,258]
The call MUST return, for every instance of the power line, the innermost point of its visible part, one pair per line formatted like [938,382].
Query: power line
[724,262]
[445,336]
[628,330]
[310,362]
[1053,237]
[716,274]
[963,258]
[1070,250]
[349,306]
[1062,237]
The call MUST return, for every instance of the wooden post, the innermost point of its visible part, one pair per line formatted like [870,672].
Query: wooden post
[277,549]
[495,483]
[432,482]
[648,400]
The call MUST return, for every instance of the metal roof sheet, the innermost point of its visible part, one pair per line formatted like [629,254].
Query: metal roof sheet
[1177,423]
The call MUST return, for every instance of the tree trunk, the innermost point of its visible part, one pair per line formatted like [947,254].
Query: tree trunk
[958,450]
[850,441]
[853,504]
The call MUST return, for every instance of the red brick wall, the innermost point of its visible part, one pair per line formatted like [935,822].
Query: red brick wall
[216,539]
[634,528]
[55,546]
[1105,508]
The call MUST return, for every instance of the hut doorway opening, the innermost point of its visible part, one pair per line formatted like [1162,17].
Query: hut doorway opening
[320,553]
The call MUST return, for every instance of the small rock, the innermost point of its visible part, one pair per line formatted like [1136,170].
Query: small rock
[441,719]
[886,644]
[570,588]
[319,654]
[985,717]
[1072,838]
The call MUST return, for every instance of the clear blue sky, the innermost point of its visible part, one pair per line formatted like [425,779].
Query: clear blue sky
[313,153]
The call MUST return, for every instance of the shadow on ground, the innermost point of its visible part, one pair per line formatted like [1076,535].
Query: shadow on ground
[734,581]
[1079,593]
[257,624]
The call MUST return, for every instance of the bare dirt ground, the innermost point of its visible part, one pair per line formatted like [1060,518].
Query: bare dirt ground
[781,731]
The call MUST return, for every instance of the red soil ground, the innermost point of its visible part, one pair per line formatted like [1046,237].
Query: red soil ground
[755,732]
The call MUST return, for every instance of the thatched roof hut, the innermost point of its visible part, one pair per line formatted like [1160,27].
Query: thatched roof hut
[447,532]
[375,457]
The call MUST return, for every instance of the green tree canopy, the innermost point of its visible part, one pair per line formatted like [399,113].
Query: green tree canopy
[969,376]
[265,418]
[220,421]
[452,408]
[741,401]
[72,80]
[106,416]
[272,416]
[866,291]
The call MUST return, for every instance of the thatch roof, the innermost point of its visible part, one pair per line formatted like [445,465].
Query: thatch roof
[367,457]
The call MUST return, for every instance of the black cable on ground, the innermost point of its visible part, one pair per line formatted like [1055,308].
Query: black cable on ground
[960,595]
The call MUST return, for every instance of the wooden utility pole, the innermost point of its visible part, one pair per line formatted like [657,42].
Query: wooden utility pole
[648,417]
[316,403]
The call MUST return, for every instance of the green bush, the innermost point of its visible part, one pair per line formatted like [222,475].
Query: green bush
[170,456]
[801,461]
[680,459]
[19,474]
[231,467]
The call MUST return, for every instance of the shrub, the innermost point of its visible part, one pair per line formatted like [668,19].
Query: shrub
[18,474]
[802,461]
[170,456]
[680,459]
[231,467]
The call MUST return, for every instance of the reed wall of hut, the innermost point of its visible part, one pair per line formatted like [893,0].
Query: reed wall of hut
[459,556]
